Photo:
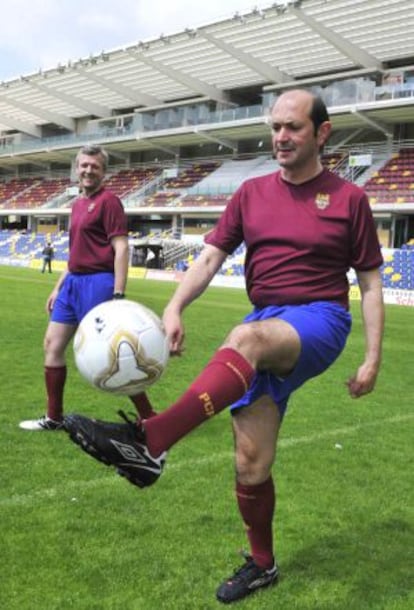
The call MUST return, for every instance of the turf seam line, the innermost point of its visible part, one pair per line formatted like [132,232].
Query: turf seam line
[73,487]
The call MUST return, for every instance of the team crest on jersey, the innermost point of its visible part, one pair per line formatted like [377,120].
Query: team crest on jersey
[322,201]
[91,207]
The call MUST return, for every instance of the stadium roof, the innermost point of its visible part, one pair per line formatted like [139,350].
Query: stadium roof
[268,48]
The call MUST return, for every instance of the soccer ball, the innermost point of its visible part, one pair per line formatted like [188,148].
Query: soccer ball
[121,347]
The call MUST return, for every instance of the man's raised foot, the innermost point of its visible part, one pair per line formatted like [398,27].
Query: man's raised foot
[119,445]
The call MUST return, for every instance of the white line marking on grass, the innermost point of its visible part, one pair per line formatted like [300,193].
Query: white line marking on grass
[302,440]
[70,490]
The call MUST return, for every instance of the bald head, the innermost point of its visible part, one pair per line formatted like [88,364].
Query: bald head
[300,125]
[312,105]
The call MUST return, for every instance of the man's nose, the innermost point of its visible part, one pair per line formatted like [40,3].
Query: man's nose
[282,134]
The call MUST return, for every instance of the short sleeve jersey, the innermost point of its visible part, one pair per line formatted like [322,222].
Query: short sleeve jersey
[301,240]
[95,221]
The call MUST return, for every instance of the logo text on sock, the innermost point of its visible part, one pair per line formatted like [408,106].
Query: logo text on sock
[207,404]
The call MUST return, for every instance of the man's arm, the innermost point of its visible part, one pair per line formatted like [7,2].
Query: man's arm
[372,308]
[195,281]
[121,262]
[52,297]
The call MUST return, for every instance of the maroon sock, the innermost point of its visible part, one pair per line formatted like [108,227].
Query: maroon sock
[225,379]
[143,406]
[257,505]
[55,378]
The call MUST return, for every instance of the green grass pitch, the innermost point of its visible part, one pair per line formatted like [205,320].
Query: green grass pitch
[74,535]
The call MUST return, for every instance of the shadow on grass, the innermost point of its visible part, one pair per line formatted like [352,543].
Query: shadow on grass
[373,565]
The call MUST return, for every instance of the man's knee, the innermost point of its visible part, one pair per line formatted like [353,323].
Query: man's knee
[255,430]
[241,334]
[253,464]
[268,344]
[244,339]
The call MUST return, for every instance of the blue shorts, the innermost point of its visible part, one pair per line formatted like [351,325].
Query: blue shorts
[79,293]
[323,328]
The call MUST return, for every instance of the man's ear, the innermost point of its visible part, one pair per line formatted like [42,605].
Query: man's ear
[324,131]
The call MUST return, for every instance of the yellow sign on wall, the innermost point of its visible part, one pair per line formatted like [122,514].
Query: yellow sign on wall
[137,272]
[354,293]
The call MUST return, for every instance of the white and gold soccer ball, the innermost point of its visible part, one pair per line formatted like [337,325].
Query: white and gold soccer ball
[120,347]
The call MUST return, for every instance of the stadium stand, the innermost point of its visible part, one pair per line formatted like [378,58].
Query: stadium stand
[229,176]
[162,199]
[39,193]
[191,175]
[397,270]
[333,161]
[174,188]
[205,201]
[11,189]
[128,181]
[394,182]
[17,245]
[178,152]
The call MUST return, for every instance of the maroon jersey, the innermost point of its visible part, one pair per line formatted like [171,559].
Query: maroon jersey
[301,239]
[95,221]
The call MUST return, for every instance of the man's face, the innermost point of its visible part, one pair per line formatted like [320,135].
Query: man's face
[295,144]
[91,172]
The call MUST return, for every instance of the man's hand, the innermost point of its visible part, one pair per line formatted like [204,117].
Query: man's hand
[363,382]
[174,329]
[51,301]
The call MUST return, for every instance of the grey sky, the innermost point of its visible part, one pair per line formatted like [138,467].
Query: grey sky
[41,33]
